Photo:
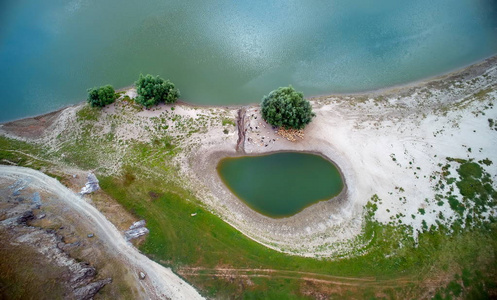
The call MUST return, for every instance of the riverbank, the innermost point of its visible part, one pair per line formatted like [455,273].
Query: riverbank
[389,145]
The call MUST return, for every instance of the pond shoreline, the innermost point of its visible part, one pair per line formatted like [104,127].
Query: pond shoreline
[342,178]
[338,196]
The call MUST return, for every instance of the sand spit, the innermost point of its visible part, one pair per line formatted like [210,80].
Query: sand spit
[387,143]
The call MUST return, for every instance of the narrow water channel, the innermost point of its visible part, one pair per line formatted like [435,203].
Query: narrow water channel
[281,184]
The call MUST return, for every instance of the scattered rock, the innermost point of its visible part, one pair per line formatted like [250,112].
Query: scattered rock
[18,186]
[79,277]
[138,224]
[136,230]
[135,233]
[193,215]
[66,247]
[91,186]
[90,235]
[89,291]
[36,199]
[26,216]
[142,275]
[82,274]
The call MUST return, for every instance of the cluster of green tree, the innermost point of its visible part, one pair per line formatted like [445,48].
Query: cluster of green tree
[100,97]
[151,91]
[154,90]
[283,107]
[287,108]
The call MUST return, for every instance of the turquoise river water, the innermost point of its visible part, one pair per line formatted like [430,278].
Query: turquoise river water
[231,52]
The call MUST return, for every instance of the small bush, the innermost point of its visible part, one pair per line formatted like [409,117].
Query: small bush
[102,96]
[456,206]
[468,170]
[88,113]
[154,90]
[228,122]
[486,162]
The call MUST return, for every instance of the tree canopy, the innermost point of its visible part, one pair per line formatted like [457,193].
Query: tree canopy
[154,90]
[100,97]
[286,108]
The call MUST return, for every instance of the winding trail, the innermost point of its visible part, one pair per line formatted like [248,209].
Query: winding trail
[299,275]
[160,282]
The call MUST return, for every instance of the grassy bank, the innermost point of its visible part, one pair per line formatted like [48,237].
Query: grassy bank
[223,262]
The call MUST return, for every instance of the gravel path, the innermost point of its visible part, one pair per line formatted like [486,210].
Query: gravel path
[160,282]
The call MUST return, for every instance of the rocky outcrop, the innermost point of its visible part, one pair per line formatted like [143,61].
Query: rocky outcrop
[77,277]
[82,274]
[91,185]
[136,230]
[26,216]
[89,291]
[137,225]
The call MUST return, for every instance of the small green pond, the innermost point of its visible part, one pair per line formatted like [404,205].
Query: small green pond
[281,184]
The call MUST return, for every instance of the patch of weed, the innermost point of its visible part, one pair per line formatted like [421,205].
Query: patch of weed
[88,113]
[228,122]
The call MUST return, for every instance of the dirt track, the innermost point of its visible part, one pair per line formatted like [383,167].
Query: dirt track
[160,282]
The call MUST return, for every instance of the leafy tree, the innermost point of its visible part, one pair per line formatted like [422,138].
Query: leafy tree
[286,108]
[100,97]
[154,90]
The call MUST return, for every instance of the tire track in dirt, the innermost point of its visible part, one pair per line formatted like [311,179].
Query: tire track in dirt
[288,274]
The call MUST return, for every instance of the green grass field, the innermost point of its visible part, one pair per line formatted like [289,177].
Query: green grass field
[205,242]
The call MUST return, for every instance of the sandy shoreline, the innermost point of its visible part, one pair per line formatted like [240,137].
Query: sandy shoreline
[389,144]
[477,66]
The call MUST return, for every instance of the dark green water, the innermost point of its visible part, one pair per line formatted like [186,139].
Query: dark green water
[281,184]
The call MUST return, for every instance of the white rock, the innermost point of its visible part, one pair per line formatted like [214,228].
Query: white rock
[138,224]
[91,186]
[135,233]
